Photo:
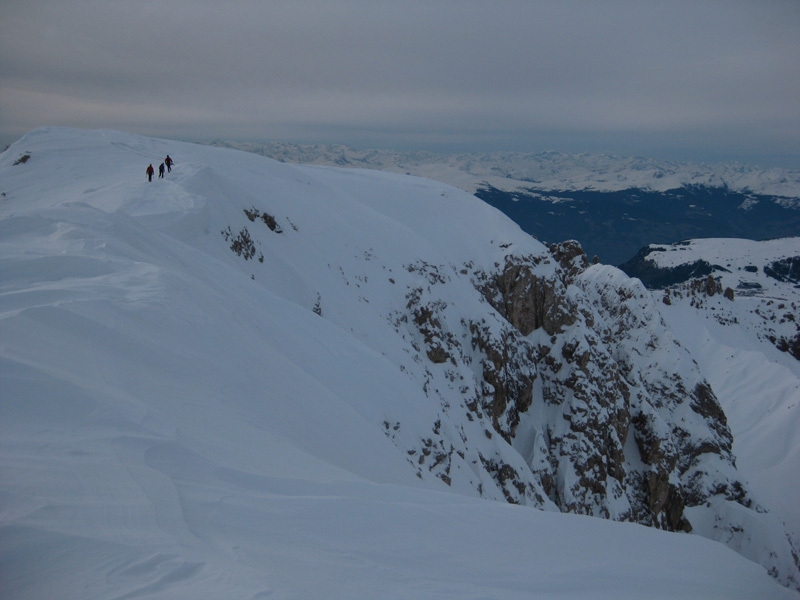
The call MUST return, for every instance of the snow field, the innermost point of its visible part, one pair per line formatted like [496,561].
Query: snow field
[178,422]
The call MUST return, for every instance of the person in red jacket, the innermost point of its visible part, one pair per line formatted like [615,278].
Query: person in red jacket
[149,172]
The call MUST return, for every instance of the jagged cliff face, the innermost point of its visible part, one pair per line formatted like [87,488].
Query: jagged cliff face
[611,443]
[595,407]
[555,370]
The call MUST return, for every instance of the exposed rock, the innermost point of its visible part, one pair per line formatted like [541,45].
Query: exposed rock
[509,369]
[572,258]
[553,375]
[525,298]
[589,341]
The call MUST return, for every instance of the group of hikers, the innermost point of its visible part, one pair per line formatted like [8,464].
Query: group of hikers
[167,162]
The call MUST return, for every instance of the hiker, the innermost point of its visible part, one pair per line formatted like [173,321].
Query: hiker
[168,162]
[149,172]
[161,171]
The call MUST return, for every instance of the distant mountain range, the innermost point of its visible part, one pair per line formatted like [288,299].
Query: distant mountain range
[612,205]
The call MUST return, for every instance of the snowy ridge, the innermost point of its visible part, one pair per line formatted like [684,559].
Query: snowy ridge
[741,264]
[255,379]
[764,276]
[513,171]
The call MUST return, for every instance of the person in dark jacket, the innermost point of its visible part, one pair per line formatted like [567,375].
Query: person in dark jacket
[161,171]
[169,163]
[149,172]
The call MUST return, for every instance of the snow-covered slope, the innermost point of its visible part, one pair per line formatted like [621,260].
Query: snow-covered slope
[252,379]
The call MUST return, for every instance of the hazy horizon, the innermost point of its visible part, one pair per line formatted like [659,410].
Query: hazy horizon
[709,81]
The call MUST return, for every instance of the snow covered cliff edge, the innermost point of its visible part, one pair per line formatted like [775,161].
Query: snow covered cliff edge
[249,325]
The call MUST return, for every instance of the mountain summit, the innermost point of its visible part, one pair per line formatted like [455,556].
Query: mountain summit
[250,378]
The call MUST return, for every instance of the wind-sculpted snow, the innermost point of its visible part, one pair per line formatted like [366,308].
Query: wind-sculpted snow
[251,379]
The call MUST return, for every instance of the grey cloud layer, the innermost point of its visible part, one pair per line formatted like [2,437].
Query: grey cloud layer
[470,71]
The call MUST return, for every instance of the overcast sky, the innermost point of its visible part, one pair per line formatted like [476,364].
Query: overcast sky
[695,80]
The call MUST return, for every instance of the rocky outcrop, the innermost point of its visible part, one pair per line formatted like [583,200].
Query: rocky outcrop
[613,441]
[590,404]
